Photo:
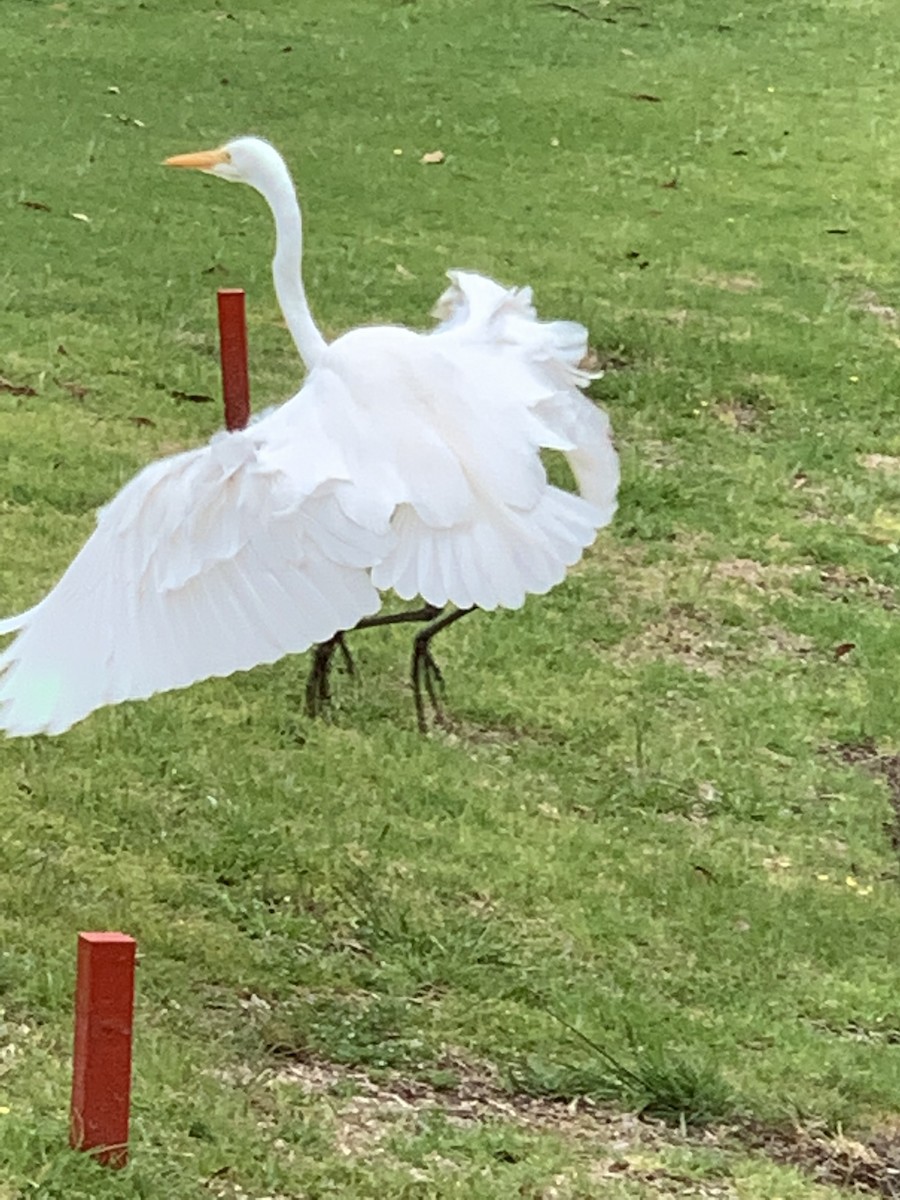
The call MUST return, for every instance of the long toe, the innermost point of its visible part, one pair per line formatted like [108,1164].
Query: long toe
[341,643]
[434,683]
[427,681]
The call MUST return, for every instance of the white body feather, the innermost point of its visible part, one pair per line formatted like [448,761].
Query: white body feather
[407,461]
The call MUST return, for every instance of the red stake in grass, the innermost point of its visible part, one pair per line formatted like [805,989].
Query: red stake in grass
[101,1078]
[233,350]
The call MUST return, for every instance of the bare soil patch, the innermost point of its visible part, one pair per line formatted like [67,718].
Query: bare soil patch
[367,1110]
[870,302]
[889,463]
[866,754]
[841,584]
[761,576]
[691,636]
[869,1167]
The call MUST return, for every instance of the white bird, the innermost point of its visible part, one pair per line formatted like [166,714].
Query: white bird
[407,461]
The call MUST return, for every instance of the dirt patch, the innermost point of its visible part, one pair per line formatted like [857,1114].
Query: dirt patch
[871,1166]
[694,638]
[666,1183]
[841,584]
[761,576]
[618,1146]
[837,582]
[870,302]
[683,634]
[866,754]
[367,1111]
[880,462]
[856,1031]
[472,1094]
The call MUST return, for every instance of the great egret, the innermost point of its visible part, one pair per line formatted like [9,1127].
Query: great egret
[407,461]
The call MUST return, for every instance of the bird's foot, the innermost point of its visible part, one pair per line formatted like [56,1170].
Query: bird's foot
[427,680]
[318,684]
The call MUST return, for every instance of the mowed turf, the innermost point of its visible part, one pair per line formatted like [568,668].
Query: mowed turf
[653,865]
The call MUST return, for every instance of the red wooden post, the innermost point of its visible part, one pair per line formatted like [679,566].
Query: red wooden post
[233,350]
[101,1078]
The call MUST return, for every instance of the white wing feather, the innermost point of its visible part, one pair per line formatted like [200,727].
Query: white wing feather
[407,461]
[206,563]
[541,361]
[454,425]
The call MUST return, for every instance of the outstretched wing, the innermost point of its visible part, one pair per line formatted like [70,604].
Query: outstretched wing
[206,563]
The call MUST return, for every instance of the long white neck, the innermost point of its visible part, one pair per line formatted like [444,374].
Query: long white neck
[278,190]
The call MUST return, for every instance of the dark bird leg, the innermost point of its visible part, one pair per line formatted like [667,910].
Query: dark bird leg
[318,690]
[427,612]
[425,672]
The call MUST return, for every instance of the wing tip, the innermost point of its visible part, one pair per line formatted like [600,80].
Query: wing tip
[14,624]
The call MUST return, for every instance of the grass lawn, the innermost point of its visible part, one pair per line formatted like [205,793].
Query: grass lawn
[654,867]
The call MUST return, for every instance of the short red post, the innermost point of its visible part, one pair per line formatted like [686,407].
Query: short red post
[233,351]
[101,1077]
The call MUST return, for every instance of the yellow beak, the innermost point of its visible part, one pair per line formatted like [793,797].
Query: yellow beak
[201,160]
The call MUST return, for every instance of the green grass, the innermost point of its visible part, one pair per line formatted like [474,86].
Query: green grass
[633,873]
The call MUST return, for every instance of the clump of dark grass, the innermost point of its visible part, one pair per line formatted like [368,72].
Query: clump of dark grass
[655,1081]
[660,1085]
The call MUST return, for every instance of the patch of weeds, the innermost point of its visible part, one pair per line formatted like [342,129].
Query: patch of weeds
[676,1090]
[655,1083]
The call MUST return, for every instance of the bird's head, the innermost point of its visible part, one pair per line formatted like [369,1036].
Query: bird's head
[243,160]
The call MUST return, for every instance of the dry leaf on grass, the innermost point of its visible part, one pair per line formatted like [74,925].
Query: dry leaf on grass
[16,389]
